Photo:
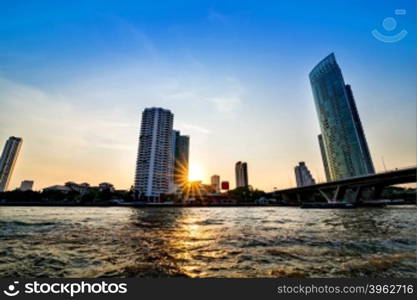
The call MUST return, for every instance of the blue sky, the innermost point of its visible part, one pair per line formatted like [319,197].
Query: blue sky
[75,76]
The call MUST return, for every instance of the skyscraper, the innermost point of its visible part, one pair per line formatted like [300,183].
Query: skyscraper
[215,182]
[343,144]
[241,169]
[324,158]
[302,175]
[154,160]
[181,155]
[8,161]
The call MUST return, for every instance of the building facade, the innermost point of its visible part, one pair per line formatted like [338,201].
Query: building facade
[324,158]
[8,161]
[303,176]
[241,170]
[181,154]
[215,182]
[343,144]
[26,185]
[154,160]
[106,187]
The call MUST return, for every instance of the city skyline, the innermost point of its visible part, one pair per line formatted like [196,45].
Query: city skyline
[240,93]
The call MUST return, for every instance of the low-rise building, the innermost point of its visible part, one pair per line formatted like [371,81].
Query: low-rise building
[26,185]
[105,186]
[82,188]
[58,188]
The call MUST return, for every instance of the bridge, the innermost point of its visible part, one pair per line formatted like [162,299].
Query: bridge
[353,189]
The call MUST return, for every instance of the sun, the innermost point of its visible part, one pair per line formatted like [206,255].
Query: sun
[196,172]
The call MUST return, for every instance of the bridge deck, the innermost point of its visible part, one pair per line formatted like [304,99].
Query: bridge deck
[406,175]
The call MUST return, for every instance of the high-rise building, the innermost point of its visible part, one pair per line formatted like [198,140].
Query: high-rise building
[215,182]
[344,148]
[303,176]
[324,158]
[26,185]
[241,170]
[8,160]
[154,160]
[181,155]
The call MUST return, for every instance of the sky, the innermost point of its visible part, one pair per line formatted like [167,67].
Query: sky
[75,77]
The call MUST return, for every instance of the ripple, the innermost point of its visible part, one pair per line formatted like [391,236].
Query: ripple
[206,242]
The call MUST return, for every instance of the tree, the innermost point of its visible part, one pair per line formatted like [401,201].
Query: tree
[246,194]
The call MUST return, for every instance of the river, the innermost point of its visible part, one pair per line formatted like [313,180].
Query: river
[207,242]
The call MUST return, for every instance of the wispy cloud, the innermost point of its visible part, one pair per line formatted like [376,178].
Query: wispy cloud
[231,98]
[216,16]
[227,103]
[62,139]
[195,128]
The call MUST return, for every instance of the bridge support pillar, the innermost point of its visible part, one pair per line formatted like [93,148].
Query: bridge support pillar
[356,194]
[328,199]
[378,191]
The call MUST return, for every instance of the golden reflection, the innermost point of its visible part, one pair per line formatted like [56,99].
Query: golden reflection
[192,241]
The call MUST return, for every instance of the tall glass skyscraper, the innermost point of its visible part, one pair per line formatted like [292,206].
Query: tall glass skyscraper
[8,160]
[342,141]
[324,158]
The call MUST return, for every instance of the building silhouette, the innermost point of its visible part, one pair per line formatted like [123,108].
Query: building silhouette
[8,161]
[303,176]
[181,157]
[215,182]
[241,170]
[26,185]
[154,160]
[343,145]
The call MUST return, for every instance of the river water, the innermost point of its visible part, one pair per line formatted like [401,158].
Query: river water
[207,242]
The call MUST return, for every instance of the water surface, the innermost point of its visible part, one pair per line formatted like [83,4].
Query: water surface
[207,242]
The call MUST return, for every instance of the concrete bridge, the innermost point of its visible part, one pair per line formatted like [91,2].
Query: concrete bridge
[354,189]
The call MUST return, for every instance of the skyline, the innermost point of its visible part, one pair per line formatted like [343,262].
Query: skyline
[253,82]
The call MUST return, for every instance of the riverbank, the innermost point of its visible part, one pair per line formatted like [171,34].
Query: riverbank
[161,205]
[139,204]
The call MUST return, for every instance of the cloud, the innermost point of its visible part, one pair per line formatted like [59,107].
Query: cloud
[63,139]
[195,128]
[216,16]
[231,98]
[227,103]
[136,35]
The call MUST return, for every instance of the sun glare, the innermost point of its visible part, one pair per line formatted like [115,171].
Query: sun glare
[196,172]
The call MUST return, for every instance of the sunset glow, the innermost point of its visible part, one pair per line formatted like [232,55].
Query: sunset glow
[236,84]
[196,172]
